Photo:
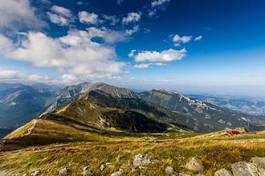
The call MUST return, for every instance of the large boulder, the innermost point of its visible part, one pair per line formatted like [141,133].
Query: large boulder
[223,172]
[244,169]
[194,165]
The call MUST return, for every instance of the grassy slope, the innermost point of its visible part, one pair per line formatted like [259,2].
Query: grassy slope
[216,151]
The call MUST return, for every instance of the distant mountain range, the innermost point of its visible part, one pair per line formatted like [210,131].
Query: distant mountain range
[248,105]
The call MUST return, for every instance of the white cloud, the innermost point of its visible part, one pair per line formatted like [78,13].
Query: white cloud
[156,3]
[142,66]
[155,56]
[39,78]
[131,18]
[74,54]
[109,36]
[198,38]
[111,19]
[88,18]
[6,44]
[133,30]
[147,65]
[69,78]
[60,15]
[8,74]
[61,11]
[15,14]
[181,39]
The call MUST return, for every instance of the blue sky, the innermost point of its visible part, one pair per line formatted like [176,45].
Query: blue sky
[187,45]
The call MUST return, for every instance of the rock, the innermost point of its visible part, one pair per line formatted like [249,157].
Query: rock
[260,163]
[64,171]
[117,173]
[35,173]
[184,174]
[169,170]
[223,172]
[244,169]
[86,171]
[141,161]
[194,165]
[103,167]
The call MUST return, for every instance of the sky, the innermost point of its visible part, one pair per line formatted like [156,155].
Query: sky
[192,46]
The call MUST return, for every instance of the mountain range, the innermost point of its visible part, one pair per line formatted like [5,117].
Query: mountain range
[81,112]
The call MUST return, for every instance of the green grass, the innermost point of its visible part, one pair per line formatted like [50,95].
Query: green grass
[216,151]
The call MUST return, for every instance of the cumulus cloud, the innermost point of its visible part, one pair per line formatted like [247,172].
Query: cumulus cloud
[156,56]
[88,18]
[198,38]
[15,14]
[177,39]
[60,15]
[159,2]
[73,54]
[131,18]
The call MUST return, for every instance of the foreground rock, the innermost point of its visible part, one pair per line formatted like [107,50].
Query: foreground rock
[140,161]
[117,173]
[244,169]
[35,173]
[194,165]
[64,171]
[169,171]
[223,172]
[86,171]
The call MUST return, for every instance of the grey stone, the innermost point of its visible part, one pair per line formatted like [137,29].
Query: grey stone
[194,165]
[141,161]
[169,170]
[119,173]
[86,171]
[64,171]
[244,169]
[35,173]
[260,163]
[223,172]
[184,174]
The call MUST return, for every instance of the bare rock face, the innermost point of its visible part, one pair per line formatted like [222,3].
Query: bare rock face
[63,171]
[244,169]
[169,171]
[223,172]
[141,161]
[194,165]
